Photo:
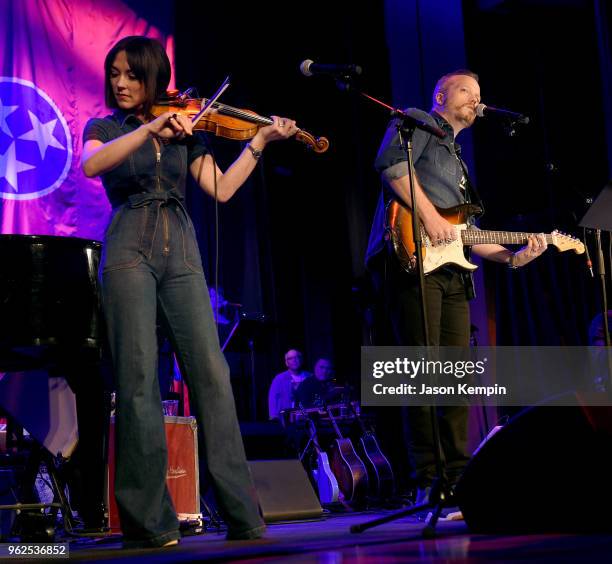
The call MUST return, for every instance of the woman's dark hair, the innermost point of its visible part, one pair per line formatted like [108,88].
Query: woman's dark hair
[149,63]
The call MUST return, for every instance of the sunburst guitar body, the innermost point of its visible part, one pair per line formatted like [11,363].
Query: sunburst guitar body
[399,227]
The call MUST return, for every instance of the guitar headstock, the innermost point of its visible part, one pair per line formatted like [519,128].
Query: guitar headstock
[565,242]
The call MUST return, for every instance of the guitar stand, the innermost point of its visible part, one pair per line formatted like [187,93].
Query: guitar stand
[310,446]
[306,449]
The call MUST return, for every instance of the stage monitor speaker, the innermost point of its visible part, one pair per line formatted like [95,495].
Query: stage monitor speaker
[547,471]
[267,440]
[285,493]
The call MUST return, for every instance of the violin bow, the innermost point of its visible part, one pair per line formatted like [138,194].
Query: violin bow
[211,101]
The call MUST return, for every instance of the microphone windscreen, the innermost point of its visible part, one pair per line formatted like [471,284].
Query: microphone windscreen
[480,108]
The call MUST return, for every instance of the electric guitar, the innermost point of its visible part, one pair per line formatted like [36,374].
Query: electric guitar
[399,229]
[326,482]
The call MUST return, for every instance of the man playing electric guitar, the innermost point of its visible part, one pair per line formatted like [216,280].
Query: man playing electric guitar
[441,183]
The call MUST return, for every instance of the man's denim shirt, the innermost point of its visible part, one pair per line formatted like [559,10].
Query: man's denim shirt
[140,172]
[436,165]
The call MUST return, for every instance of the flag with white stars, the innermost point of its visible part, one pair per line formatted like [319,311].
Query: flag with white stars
[51,84]
[35,139]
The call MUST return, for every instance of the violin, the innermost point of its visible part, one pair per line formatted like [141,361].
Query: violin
[227,121]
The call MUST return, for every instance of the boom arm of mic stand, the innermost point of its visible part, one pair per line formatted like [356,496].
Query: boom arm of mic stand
[410,123]
[406,126]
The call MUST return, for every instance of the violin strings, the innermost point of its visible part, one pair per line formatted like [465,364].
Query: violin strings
[246,115]
[235,112]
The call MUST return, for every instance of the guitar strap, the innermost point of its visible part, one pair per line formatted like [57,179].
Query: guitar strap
[471,196]
[471,193]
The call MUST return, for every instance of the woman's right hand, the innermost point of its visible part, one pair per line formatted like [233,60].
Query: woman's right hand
[170,125]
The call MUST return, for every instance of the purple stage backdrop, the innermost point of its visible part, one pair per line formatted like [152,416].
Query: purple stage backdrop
[51,83]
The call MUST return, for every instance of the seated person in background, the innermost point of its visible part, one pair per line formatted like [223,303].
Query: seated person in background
[282,390]
[315,389]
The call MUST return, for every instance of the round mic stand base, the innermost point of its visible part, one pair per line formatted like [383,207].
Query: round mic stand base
[440,496]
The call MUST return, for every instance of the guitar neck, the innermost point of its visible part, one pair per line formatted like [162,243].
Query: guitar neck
[313,431]
[358,418]
[333,420]
[478,237]
[314,438]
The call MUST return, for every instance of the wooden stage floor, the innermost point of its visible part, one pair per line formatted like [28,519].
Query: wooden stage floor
[329,542]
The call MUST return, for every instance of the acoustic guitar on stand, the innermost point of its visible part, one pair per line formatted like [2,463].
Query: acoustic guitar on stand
[381,482]
[327,484]
[349,469]
[399,231]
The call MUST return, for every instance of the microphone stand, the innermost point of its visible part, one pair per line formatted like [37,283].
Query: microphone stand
[597,218]
[440,494]
[601,271]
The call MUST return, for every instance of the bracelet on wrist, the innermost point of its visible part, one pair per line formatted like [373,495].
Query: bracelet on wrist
[255,152]
[512,262]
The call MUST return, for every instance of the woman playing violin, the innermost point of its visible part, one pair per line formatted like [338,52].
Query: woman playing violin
[151,267]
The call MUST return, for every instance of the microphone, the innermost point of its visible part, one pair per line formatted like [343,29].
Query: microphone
[483,111]
[310,68]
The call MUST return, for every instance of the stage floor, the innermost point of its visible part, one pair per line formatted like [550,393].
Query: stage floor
[329,541]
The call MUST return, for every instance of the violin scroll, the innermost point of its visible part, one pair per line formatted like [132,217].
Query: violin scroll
[317,144]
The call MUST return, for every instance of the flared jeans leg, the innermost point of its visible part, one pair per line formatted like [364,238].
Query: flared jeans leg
[145,507]
[186,308]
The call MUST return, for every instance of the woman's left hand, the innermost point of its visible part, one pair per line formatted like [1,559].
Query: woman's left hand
[282,128]
[536,245]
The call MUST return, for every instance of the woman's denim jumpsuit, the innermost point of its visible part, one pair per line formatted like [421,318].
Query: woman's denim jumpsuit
[151,266]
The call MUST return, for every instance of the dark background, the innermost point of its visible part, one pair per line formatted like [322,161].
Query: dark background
[292,240]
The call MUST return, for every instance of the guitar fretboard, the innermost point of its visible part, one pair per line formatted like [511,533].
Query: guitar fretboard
[477,237]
